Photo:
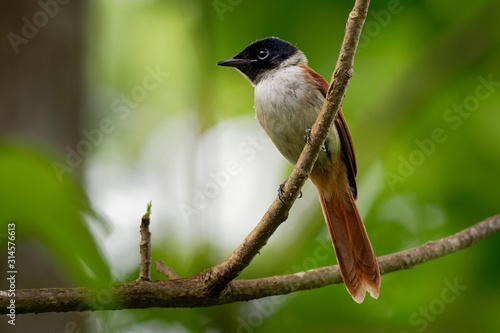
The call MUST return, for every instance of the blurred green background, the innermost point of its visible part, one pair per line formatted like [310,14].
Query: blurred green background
[106,105]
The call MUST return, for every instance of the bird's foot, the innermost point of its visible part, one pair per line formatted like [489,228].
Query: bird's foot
[281,189]
[307,139]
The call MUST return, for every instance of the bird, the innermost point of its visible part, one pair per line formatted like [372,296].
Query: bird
[288,98]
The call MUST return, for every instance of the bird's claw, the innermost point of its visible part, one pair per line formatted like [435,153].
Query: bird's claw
[307,139]
[281,191]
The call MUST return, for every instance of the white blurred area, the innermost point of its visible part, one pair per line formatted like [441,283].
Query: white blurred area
[234,166]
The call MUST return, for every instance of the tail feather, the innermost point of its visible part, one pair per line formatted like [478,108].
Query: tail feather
[357,262]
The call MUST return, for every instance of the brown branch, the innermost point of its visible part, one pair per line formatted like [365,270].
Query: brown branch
[166,270]
[216,278]
[145,247]
[185,292]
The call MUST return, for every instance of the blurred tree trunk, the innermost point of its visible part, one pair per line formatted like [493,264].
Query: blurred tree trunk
[41,98]
[42,79]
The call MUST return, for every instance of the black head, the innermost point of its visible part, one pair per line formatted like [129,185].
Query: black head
[261,56]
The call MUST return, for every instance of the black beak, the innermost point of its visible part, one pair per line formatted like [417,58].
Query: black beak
[234,62]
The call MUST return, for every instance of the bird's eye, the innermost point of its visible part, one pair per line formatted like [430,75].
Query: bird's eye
[263,54]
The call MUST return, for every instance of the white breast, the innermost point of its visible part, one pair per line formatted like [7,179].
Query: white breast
[286,105]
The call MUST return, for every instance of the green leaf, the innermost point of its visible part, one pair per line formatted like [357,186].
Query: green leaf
[50,210]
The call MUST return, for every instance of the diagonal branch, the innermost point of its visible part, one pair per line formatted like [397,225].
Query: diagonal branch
[216,278]
[184,292]
[166,270]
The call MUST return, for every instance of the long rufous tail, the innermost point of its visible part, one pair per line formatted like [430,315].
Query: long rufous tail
[354,252]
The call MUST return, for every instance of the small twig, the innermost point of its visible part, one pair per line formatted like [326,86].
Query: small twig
[145,247]
[166,270]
